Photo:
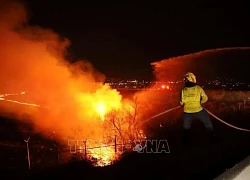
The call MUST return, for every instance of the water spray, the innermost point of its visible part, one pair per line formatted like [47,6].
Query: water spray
[208,51]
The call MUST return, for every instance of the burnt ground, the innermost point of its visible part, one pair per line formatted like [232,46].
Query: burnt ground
[199,159]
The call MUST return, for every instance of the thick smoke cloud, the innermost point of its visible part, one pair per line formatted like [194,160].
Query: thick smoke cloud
[32,59]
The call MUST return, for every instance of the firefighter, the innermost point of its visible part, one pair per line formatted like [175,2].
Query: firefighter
[192,96]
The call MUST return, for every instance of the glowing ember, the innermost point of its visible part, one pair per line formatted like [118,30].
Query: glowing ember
[15,94]
[29,104]
[12,94]
[104,155]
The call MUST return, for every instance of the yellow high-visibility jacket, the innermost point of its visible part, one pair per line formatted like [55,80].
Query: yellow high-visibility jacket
[192,98]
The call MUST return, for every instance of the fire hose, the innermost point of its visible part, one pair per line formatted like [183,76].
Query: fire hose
[230,125]
[164,112]
[219,119]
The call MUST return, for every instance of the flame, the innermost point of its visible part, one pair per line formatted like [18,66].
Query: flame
[81,149]
[101,109]
[104,155]
[72,91]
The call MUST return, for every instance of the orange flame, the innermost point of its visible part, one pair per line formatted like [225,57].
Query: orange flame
[101,109]
[33,58]
[103,155]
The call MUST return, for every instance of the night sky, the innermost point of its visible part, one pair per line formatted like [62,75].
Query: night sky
[122,38]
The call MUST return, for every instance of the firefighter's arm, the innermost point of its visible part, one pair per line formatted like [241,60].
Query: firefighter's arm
[181,102]
[204,97]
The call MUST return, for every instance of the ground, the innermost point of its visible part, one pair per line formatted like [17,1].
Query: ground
[199,159]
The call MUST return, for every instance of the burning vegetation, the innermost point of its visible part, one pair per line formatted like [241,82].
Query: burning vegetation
[91,120]
[51,93]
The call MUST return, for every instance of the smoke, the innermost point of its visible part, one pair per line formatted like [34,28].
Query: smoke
[12,14]
[32,59]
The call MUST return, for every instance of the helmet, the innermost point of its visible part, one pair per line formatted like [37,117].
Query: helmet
[190,77]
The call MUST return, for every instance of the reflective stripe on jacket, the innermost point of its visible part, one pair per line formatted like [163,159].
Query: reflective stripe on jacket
[192,98]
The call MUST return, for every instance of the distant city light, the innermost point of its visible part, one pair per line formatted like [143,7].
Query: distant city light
[223,83]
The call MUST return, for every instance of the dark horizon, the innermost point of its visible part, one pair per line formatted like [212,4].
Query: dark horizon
[121,39]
